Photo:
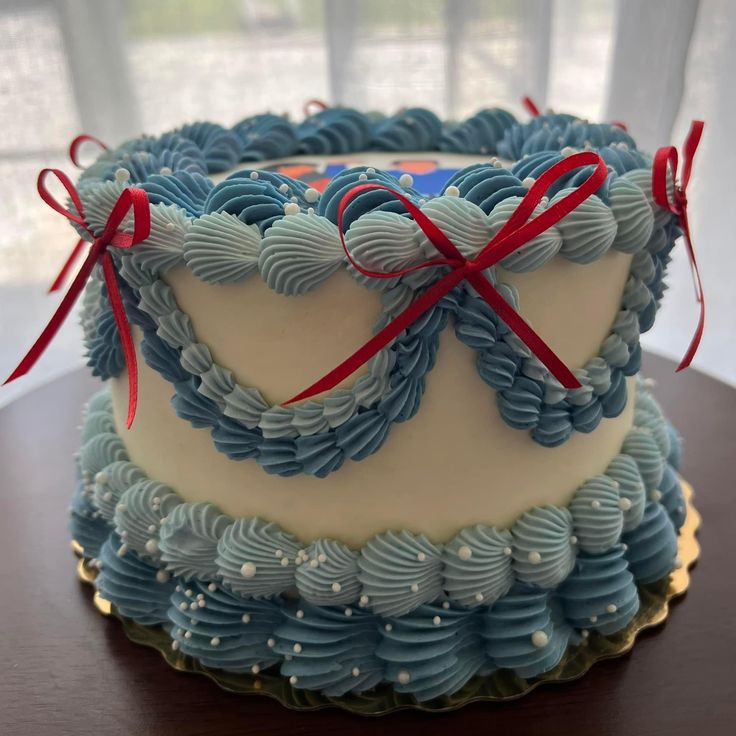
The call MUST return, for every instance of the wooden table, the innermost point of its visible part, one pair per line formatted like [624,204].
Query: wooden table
[64,669]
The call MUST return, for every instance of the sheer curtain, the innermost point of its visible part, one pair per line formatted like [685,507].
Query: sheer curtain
[115,68]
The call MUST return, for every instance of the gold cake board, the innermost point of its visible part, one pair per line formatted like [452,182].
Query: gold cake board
[500,686]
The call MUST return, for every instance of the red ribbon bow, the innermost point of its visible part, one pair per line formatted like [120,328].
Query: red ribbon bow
[664,159]
[131,199]
[515,233]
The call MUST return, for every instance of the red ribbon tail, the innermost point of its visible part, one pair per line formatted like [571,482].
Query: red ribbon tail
[382,338]
[687,359]
[126,337]
[531,106]
[525,332]
[64,271]
[57,320]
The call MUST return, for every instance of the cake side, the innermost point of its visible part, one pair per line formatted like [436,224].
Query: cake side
[456,464]
[449,509]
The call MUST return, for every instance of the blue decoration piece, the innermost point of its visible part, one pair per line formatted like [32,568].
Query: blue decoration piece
[335,130]
[266,137]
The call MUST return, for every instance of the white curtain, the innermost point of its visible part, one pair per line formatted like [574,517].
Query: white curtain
[115,68]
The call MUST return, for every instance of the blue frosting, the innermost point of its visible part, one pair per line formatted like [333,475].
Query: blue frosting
[525,631]
[185,190]
[432,651]
[329,648]
[366,201]
[266,137]
[254,201]
[221,630]
[104,350]
[87,526]
[480,133]
[672,498]
[414,129]
[334,130]
[221,147]
[652,546]
[137,589]
[600,593]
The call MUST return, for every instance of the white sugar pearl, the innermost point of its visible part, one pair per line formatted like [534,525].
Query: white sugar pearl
[215,641]
[284,188]
[356,672]
[656,495]
[452,191]
[175,645]
[573,539]
[534,557]
[528,183]
[165,171]
[362,177]
[348,612]
[300,613]
[189,593]
[436,620]
[364,600]
[162,576]
[297,648]
[595,504]
[322,557]
[540,639]
[183,606]
[311,195]
[624,504]
[370,170]
[406,180]
[245,618]
[255,669]
[187,634]
[291,208]
[284,561]
[594,619]
[336,587]
[678,563]
[464,552]
[507,551]
[568,151]
[388,627]
[122,550]
[253,175]
[101,478]
[248,570]
[611,608]
[293,680]
[279,553]
[151,528]
[478,596]
[151,546]
[404,677]
[414,588]
[446,605]
[270,643]
[585,633]
[122,175]
[421,556]
[212,587]
[314,563]
[200,597]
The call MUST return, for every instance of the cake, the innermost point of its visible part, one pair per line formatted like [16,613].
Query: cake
[463,499]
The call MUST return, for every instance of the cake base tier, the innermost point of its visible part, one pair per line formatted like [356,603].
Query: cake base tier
[500,686]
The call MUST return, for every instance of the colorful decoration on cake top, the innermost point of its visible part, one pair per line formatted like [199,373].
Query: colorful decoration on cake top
[264,223]
[244,595]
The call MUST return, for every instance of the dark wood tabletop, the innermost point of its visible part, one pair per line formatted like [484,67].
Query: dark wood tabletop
[64,669]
